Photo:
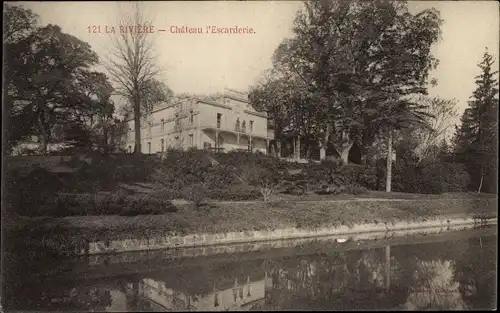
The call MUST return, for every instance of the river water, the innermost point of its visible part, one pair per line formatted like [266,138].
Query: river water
[452,272]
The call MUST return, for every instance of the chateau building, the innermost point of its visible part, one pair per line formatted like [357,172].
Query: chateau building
[226,122]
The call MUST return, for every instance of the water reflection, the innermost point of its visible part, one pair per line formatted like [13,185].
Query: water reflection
[457,275]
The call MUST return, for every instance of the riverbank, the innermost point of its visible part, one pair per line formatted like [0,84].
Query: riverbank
[276,220]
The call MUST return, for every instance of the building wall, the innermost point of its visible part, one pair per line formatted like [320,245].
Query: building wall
[220,300]
[193,123]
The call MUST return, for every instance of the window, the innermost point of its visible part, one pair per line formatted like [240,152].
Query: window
[177,142]
[162,145]
[251,126]
[219,117]
[243,126]
[191,117]
[149,147]
[129,149]
[162,122]
[191,140]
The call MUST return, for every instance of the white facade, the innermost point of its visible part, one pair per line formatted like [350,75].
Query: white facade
[228,123]
[230,299]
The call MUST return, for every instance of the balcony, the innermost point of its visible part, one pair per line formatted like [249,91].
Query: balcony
[234,130]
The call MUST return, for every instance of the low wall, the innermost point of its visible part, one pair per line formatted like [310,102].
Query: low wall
[362,231]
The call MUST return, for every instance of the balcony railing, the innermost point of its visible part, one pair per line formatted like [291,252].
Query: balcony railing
[241,131]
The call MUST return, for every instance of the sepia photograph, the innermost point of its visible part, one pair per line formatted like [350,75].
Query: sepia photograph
[249,155]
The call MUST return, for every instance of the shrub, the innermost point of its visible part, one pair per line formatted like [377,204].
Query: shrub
[196,193]
[220,176]
[103,204]
[456,178]
[267,180]
[355,190]
[297,187]
[327,190]
[239,192]
[431,178]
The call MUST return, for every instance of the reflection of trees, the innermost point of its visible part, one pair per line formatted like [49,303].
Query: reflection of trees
[80,298]
[476,273]
[433,281]
[433,287]
[348,280]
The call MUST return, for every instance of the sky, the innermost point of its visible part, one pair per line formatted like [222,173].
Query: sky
[207,63]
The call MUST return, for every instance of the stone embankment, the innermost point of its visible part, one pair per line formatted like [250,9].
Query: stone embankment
[342,233]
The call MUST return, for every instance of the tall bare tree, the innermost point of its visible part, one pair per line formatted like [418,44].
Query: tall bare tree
[132,64]
[441,117]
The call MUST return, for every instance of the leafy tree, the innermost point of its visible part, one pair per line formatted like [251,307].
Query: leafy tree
[476,141]
[50,89]
[153,93]
[19,23]
[49,72]
[357,63]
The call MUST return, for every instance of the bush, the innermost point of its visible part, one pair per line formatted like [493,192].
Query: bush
[355,190]
[102,204]
[456,178]
[196,193]
[431,178]
[297,187]
[239,192]
[267,180]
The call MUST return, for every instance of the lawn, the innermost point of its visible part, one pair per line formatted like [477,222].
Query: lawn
[256,215]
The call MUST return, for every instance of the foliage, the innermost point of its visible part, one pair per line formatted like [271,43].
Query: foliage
[431,178]
[19,24]
[196,193]
[153,93]
[267,179]
[476,141]
[348,71]
[239,192]
[49,82]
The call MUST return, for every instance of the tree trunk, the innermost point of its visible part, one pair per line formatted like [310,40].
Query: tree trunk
[309,149]
[322,153]
[137,124]
[105,138]
[480,182]
[44,142]
[389,163]
[344,153]
[298,147]
[323,144]
[344,146]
